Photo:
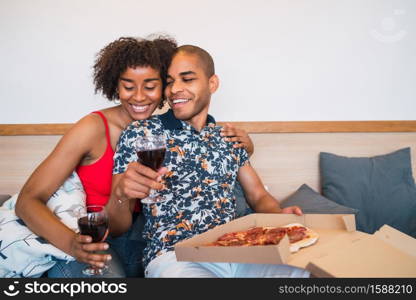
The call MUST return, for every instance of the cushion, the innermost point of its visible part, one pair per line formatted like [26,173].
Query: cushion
[312,202]
[382,188]
[242,207]
[3,198]
[23,253]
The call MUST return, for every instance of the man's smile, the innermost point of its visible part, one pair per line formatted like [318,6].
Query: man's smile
[179,102]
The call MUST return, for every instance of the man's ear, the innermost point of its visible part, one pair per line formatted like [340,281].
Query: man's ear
[214,83]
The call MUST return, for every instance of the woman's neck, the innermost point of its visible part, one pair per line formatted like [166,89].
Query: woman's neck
[123,117]
[118,116]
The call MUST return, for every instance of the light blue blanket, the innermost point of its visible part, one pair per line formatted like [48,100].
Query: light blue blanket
[23,253]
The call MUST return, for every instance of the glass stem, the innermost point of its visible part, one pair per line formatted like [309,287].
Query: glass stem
[152,194]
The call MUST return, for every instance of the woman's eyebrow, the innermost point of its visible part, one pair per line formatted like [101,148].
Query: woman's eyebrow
[146,80]
[151,79]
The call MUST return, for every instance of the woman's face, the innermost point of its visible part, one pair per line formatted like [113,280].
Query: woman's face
[140,91]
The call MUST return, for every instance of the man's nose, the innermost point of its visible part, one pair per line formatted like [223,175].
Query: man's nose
[176,87]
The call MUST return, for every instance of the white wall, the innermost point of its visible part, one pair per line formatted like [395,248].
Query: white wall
[277,59]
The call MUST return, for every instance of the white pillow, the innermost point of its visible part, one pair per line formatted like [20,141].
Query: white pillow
[23,253]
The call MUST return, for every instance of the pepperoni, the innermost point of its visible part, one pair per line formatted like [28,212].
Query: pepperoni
[261,236]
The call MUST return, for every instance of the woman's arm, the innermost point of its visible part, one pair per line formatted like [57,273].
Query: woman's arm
[46,179]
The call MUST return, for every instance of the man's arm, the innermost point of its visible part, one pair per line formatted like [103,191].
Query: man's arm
[258,198]
[135,183]
[131,180]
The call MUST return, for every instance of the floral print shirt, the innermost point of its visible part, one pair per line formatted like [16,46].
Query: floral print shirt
[202,171]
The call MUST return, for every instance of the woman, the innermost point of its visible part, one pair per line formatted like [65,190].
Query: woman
[132,71]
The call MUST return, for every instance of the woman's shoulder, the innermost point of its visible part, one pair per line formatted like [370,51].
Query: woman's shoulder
[89,126]
[92,120]
[82,136]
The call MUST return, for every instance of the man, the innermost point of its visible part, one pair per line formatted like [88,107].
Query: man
[201,171]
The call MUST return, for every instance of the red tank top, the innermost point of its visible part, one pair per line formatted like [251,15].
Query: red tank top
[96,177]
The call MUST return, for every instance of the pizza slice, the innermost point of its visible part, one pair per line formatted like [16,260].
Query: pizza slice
[299,236]
[237,238]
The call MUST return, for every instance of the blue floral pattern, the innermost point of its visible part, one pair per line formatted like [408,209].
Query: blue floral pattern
[202,171]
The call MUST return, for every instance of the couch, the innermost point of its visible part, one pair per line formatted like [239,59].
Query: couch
[286,153]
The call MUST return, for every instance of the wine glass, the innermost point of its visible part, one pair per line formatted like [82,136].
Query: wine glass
[93,221]
[151,153]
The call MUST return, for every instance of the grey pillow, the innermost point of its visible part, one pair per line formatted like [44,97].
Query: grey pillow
[242,207]
[382,188]
[3,198]
[312,202]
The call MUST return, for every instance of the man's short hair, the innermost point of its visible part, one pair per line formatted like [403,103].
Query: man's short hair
[203,55]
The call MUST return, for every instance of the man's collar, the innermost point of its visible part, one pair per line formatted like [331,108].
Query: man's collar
[170,122]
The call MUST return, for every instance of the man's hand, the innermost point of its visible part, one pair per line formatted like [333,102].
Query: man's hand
[292,210]
[137,181]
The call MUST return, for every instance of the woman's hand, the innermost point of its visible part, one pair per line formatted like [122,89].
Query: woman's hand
[82,249]
[240,136]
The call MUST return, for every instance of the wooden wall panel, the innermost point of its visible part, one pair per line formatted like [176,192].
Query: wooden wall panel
[251,127]
[284,161]
[19,156]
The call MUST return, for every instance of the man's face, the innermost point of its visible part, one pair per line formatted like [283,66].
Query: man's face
[189,89]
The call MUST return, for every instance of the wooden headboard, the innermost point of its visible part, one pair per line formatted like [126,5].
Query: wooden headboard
[286,153]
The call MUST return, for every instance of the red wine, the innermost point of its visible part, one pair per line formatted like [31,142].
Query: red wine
[94,228]
[152,158]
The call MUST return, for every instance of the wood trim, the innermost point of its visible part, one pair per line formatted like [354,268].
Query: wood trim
[34,129]
[251,127]
[326,126]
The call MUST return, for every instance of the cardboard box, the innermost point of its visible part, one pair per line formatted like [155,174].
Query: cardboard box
[327,226]
[387,253]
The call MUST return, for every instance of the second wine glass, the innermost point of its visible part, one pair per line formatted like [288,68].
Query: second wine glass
[151,153]
[93,221]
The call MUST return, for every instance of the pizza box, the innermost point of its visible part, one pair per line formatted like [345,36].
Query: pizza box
[386,253]
[327,226]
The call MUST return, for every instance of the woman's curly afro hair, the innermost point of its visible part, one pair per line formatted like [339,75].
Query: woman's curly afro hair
[129,52]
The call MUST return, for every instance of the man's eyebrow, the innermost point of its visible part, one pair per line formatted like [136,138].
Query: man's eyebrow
[183,74]
[187,73]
